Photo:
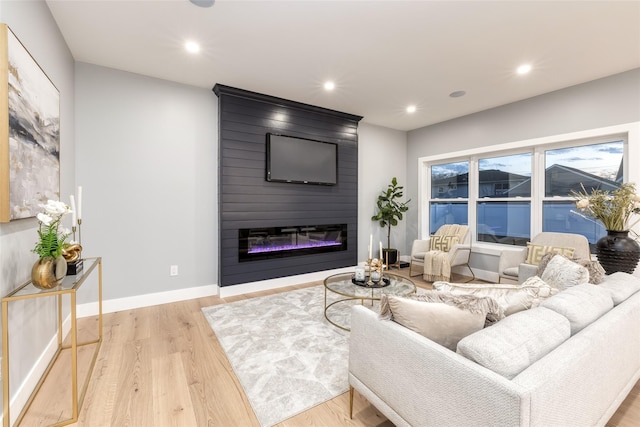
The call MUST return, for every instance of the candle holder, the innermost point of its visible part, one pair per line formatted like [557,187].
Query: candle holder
[369,282]
[79,232]
[73,253]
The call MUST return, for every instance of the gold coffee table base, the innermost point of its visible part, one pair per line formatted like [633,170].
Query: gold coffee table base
[342,285]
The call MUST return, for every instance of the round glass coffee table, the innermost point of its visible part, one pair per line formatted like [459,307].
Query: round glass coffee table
[341,286]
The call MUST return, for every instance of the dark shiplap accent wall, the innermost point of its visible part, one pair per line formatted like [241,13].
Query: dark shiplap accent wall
[247,200]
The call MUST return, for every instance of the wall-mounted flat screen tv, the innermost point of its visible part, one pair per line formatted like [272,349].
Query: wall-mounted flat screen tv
[301,160]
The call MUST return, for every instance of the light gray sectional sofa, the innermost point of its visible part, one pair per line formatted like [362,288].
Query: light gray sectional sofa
[569,362]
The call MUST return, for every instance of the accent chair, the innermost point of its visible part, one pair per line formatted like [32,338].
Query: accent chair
[522,263]
[448,247]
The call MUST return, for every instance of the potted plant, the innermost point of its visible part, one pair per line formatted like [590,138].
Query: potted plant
[618,211]
[51,266]
[390,211]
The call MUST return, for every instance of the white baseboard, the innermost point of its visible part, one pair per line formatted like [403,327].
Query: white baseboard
[147,300]
[486,275]
[280,282]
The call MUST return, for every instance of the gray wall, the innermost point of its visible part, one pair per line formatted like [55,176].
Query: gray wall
[605,102]
[147,162]
[32,323]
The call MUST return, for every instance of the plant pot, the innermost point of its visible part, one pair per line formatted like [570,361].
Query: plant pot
[390,256]
[48,272]
[618,252]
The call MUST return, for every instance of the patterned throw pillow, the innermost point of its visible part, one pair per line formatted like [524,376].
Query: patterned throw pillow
[443,243]
[536,252]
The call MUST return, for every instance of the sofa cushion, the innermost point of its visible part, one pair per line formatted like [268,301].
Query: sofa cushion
[581,305]
[563,273]
[536,252]
[441,317]
[517,341]
[620,286]
[512,298]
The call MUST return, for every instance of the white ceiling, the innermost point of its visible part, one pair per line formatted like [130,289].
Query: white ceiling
[382,55]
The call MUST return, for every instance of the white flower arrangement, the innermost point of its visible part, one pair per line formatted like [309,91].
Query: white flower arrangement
[52,235]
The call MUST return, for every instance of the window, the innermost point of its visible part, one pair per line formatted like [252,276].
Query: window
[566,169]
[500,218]
[449,181]
[513,195]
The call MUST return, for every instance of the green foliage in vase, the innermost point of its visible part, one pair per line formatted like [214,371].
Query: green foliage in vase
[390,209]
[52,237]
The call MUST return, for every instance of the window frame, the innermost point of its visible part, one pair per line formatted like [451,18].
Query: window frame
[628,133]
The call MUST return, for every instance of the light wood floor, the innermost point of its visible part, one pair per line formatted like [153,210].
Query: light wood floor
[163,366]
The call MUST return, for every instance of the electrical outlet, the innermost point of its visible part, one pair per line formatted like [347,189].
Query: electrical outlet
[174,270]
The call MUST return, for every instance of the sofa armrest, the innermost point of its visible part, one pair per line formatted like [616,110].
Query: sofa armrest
[419,382]
[525,271]
[459,254]
[511,258]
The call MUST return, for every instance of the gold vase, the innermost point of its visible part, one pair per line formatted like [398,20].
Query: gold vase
[48,272]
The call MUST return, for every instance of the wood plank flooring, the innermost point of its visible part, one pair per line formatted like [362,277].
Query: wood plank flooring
[163,366]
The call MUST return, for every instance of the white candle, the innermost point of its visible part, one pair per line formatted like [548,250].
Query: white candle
[74,219]
[80,202]
[370,244]
[381,250]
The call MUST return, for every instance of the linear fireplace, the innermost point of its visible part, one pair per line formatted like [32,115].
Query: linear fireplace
[278,242]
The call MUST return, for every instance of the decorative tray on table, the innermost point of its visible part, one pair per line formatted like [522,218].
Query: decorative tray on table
[365,283]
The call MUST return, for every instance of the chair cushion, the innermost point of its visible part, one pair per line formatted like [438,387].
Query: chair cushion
[536,252]
[562,273]
[443,243]
[582,305]
[439,316]
[516,342]
[419,255]
[511,271]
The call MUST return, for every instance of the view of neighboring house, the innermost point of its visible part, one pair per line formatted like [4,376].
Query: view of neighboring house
[506,217]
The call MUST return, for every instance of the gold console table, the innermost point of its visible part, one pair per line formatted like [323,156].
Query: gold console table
[69,286]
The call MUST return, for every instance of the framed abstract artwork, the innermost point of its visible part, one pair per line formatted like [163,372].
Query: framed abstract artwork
[29,132]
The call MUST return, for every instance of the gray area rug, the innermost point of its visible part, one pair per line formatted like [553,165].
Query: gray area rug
[285,354]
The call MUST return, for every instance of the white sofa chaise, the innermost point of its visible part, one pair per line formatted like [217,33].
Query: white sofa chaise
[581,382]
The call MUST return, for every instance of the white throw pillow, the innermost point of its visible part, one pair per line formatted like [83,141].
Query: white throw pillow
[562,273]
[443,318]
[512,298]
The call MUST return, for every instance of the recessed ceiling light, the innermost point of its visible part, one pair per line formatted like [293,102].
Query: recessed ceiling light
[192,47]
[329,85]
[457,94]
[203,3]
[524,69]
[411,109]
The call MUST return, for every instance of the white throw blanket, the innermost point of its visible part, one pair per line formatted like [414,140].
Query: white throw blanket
[437,264]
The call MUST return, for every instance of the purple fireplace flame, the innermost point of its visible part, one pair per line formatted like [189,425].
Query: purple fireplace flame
[278,242]
[289,247]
